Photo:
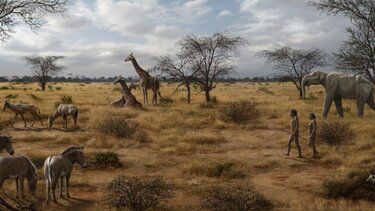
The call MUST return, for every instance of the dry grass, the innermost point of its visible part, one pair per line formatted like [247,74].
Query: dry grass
[190,146]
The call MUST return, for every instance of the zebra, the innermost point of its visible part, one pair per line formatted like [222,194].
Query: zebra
[59,167]
[6,143]
[20,108]
[64,110]
[19,167]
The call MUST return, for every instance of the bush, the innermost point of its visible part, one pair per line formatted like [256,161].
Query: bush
[353,186]
[239,199]
[117,126]
[333,132]
[64,99]
[219,170]
[142,136]
[136,193]
[265,90]
[240,112]
[107,158]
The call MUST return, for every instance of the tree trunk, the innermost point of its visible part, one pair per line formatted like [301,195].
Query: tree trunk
[188,93]
[208,98]
[300,89]
[43,86]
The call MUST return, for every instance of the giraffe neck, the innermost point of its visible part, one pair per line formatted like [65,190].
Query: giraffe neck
[142,74]
[125,88]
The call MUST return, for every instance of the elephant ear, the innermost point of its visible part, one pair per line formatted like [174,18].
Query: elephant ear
[322,78]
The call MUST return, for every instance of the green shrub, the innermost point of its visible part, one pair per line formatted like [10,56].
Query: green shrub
[64,99]
[117,126]
[240,112]
[137,194]
[334,132]
[353,187]
[238,198]
[107,159]
[58,88]
[4,88]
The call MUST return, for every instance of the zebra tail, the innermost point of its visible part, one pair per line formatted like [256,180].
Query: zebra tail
[49,170]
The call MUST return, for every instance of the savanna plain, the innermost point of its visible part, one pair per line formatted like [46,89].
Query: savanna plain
[184,143]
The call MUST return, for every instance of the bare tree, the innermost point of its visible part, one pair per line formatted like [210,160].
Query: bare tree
[31,13]
[357,54]
[179,71]
[295,63]
[44,67]
[211,56]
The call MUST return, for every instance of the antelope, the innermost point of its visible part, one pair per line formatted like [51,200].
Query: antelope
[21,108]
[64,110]
[6,143]
[18,167]
[59,167]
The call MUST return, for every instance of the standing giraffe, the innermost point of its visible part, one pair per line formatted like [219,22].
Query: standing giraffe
[146,81]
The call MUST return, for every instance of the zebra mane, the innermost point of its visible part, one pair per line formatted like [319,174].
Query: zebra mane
[71,149]
[31,163]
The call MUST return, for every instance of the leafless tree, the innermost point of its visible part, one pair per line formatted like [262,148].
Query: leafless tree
[29,12]
[211,56]
[295,63]
[44,67]
[357,54]
[179,70]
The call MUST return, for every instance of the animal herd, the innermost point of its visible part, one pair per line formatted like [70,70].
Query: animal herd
[57,168]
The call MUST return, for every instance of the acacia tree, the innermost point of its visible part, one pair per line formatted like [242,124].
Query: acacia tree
[179,71]
[357,54]
[31,13]
[43,68]
[294,64]
[211,57]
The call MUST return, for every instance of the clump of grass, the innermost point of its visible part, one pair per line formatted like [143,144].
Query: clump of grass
[58,88]
[311,97]
[210,104]
[240,112]
[226,170]
[165,100]
[64,99]
[11,96]
[4,88]
[265,90]
[117,126]
[206,140]
[138,194]
[142,136]
[352,186]
[50,87]
[107,159]
[237,198]
[34,97]
[334,132]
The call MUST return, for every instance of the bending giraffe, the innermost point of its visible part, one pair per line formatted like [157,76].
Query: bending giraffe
[146,81]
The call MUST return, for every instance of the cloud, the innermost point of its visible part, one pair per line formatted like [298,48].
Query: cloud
[225,13]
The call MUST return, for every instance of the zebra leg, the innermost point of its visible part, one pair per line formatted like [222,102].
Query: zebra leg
[47,190]
[14,120]
[34,119]
[65,122]
[67,177]
[16,187]
[61,186]
[22,179]
[54,183]
[23,118]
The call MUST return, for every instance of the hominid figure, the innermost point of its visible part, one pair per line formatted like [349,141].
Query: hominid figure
[312,134]
[294,134]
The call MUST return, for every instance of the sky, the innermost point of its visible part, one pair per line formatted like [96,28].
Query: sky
[96,35]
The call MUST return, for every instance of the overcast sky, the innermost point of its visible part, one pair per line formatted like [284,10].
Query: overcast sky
[98,34]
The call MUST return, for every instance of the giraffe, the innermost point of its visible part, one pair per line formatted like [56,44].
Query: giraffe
[130,100]
[121,102]
[146,81]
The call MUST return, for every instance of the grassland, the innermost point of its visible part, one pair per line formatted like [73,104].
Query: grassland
[182,142]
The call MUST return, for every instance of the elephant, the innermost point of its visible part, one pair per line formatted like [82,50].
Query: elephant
[341,85]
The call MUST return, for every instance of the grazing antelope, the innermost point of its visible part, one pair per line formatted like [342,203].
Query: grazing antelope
[59,167]
[6,143]
[371,178]
[21,108]
[18,167]
[64,110]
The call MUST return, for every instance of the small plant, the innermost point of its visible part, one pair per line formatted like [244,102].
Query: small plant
[240,112]
[11,96]
[265,90]
[4,88]
[117,126]
[58,88]
[137,194]
[64,99]
[142,136]
[165,100]
[334,132]
[210,104]
[226,170]
[353,186]
[34,97]
[50,87]
[239,199]
[107,158]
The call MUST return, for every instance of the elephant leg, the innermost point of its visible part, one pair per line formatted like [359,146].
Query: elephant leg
[327,104]
[360,107]
[370,102]
[338,104]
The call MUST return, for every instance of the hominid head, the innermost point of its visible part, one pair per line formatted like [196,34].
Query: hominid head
[312,116]
[6,104]
[130,57]
[293,112]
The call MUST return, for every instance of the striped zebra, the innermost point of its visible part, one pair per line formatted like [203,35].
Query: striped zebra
[58,167]
[18,167]
[6,143]
[64,110]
